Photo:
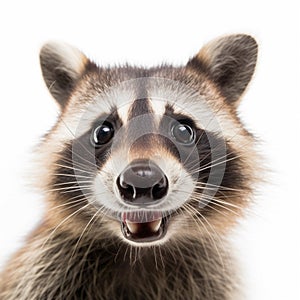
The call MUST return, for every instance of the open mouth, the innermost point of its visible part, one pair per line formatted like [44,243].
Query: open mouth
[141,227]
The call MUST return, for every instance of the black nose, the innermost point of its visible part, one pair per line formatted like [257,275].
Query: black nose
[142,182]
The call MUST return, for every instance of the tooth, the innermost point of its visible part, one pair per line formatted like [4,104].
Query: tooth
[132,227]
[155,225]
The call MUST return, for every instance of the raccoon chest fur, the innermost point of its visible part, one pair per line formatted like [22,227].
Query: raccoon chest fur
[144,175]
[115,271]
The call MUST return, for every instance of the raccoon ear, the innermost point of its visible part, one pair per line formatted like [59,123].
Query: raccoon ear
[229,62]
[62,66]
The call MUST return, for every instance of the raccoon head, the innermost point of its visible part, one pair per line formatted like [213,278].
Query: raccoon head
[148,155]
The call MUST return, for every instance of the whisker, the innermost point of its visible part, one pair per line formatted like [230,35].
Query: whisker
[213,202]
[209,234]
[218,147]
[73,168]
[71,175]
[209,198]
[222,187]
[209,166]
[72,188]
[62,222]
[85,228]
[74,162]
[69,204]
[197,220]
[72,182]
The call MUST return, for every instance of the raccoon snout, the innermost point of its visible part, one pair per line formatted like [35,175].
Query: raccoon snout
[142,182]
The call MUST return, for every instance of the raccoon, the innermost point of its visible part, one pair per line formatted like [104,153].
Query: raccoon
[144,175]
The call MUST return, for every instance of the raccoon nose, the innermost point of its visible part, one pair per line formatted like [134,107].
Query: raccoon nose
[142,182]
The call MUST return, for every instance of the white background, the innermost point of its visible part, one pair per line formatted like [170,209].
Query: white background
[147,33]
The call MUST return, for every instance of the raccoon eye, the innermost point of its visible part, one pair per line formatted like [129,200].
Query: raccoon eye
[102,134]
[183,133]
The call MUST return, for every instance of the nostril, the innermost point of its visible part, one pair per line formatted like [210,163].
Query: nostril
[160,189]
[122,183]
[127,191]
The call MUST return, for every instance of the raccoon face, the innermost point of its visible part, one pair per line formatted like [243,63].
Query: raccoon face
[148,155]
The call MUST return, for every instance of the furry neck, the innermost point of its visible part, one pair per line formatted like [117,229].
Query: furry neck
[65,268]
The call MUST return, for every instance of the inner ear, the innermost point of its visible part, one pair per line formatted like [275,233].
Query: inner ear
[62,66]
[229,62]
